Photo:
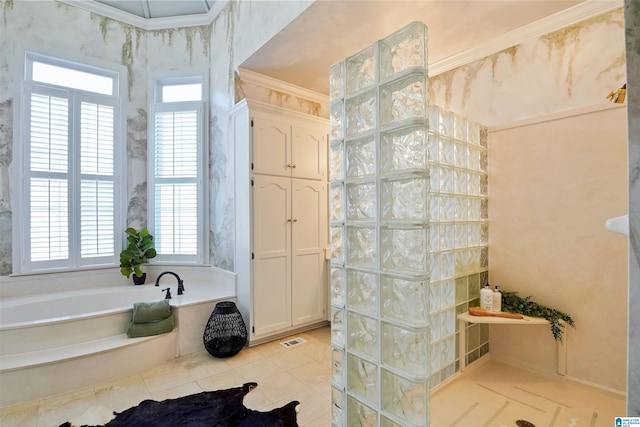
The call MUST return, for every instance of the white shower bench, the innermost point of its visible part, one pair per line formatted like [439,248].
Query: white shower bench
[464,318]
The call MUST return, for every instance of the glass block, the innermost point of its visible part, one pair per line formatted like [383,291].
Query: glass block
[434,208]
[474,209]
[361,201]
[474,157]
[386,422]
[446,151]
[461,209]
[336,82]
[362,379]
[434,178]
[461,181]
[448,371]
[462,262]
[405,398]
[434,237]
[434,357]
[483,137]
[404,49]
[361,247]
[404,200]
[435,288]
[335,120]
[459,128]
[337,254]
[404,100]
[433,147]
[338,367]
[359,414]
[363,335]
[462,235]
[362,291]
[433,112]
[445,123]
[434,322]
[447,265]
[474,184]
[447,237]
[473,336]
[484,257]
[447,323]
[474,286]
[338,327]
[336,203]
[434,267]
[461,154]
[447,208]
[484,160]
[473,133]
[360,114]
[338,286]
[484,208]
[447,179]
[448,293]
[475,230]
[338,406]
[361,157]
[405,299]
[484,233]
[360,70]
[484,333]
[484,185]
[336,164]
[434,380]
[405,250]
[461,289]
[406,349]
[484,277]
[404,150]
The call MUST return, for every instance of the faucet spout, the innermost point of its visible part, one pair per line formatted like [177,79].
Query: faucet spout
[180,283]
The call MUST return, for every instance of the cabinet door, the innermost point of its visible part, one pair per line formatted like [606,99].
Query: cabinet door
[309,152]
[309,237]
[272,249]
[271,142]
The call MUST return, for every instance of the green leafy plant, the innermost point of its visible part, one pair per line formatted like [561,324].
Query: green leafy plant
[513,303]
[138,251]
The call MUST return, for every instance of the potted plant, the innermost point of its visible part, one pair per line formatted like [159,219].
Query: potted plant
[138,251]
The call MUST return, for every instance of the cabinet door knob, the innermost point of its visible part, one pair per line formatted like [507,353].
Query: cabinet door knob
[289,220]
[295,220]
[290,166]
[293,166]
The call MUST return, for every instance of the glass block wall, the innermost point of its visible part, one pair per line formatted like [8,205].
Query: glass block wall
[408,233]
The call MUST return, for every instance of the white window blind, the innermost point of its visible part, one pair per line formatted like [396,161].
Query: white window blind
[70,161]
[177,179]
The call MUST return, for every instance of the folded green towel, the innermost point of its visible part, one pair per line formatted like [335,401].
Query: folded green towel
[144,312]
[152,328]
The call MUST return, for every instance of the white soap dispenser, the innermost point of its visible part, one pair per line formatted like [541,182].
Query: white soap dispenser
[497,300]
[486,298]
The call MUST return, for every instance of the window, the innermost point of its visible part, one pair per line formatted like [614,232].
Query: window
[69,162]
[176,159]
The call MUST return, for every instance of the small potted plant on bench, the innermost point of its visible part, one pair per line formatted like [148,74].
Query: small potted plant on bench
[139,251]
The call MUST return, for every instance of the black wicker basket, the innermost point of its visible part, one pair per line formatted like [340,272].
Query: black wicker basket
[225,333]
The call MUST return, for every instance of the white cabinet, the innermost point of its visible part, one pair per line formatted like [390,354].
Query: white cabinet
[281,219]
[287,148]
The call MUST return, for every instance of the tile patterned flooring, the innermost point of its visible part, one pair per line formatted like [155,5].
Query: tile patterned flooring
[494,395]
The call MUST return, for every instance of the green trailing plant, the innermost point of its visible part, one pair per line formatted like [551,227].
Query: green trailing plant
[139,251]
[513,303]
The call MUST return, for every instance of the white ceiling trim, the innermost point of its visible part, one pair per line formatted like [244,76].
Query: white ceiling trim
[149,23]
[555,22]
[281,86]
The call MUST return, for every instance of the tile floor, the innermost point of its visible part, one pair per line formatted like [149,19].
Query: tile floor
[493,395]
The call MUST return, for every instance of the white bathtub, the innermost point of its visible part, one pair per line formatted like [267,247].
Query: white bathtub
[44,338]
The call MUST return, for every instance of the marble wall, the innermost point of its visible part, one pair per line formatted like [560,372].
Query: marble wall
[215,49]
[632,24]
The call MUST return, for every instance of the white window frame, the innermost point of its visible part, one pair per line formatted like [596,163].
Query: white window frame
[22,263]
[156,86]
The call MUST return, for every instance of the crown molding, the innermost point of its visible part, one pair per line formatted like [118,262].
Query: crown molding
[573,15]
[271,83]
[149,23]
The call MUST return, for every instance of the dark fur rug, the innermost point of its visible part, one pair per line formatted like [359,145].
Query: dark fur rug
[222,408]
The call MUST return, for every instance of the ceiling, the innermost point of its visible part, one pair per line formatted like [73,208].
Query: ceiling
[330,30]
